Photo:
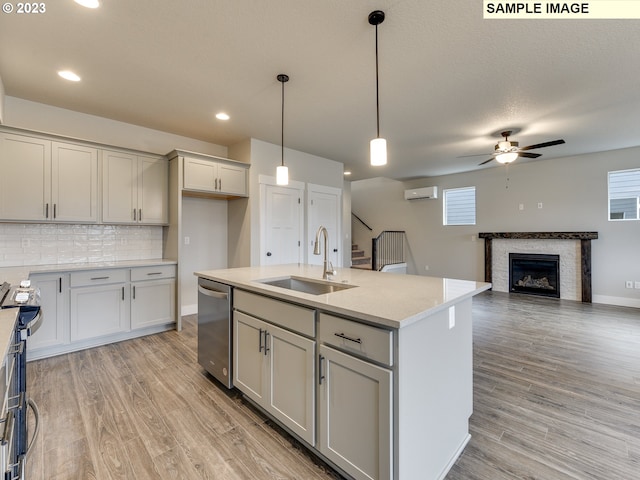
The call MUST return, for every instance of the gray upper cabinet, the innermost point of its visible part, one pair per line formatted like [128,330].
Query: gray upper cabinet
[134,188]
[41,180]
[217,177]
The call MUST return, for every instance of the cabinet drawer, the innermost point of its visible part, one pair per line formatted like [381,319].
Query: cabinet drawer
[153,272]
[287,315]
[366,341]
[98,277]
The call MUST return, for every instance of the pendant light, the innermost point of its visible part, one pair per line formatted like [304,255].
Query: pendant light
[282,172]
[378,147]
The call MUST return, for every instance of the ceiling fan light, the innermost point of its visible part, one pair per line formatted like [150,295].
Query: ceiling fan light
[378,152]
[506,157]
[504,146]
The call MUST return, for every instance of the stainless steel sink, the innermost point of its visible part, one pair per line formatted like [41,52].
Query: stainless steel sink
[306,285]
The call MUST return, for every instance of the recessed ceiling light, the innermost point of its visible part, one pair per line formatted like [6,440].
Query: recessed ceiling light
[347,172]
[222,116]
[69,75]
[88,3]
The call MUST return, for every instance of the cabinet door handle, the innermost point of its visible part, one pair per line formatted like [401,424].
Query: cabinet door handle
[260,347]
[134,292]
[266,342]
[215,184]
[134,214]
[140,215]
[46,210]
[123,293]
[351,339]
[320,373]
[220,184]
[60,285]
[55,205]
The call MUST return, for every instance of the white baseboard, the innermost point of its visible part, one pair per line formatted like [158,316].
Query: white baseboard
[619,301]
[189,309]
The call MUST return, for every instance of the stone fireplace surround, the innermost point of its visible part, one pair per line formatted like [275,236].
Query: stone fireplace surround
[574,249]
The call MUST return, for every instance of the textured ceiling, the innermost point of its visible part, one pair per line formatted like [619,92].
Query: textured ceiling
[449,80]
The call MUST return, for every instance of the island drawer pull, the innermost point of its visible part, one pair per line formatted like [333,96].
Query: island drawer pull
[99,278]
[351,339]
[154,273]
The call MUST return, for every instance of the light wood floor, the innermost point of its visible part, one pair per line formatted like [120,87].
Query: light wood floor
[556,396]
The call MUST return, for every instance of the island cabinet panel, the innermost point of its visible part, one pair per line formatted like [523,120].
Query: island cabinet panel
[372,343]
[275,368]
[355,415]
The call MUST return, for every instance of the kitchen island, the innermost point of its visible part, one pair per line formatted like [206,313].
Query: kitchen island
[376,376]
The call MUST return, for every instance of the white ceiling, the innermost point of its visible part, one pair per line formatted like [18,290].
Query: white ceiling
[449,80]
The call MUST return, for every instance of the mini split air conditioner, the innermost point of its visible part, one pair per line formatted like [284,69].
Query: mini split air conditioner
[417,193]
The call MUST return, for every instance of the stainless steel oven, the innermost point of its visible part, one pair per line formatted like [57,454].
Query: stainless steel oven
[214,329]
[15,443]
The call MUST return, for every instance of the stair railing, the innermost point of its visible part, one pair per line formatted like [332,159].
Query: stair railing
[361,221]
[387,249]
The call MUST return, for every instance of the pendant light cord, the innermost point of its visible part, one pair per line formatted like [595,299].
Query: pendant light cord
[377,93]
[282,128]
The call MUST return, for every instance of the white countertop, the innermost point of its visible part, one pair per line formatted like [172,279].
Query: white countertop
[13,275]
[388,299]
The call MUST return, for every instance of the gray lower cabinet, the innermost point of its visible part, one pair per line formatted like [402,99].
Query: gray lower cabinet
[152,296]
[275,368]
[355,415]
[99,304]
[86,308]
[53,330]
[355,397]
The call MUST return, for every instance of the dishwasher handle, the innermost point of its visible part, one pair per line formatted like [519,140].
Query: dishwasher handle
[212,293]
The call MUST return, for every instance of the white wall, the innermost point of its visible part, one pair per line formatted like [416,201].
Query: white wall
[204,221]
[264,158]
[573,193]
[2,97]
[29,115]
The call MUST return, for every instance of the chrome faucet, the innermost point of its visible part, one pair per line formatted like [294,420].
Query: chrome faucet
[327,268]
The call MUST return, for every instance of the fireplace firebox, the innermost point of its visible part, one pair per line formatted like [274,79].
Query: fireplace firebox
[534,274]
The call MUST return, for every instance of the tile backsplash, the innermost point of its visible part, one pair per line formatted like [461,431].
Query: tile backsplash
[45,244]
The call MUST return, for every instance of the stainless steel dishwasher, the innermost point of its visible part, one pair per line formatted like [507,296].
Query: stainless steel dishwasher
[214,329]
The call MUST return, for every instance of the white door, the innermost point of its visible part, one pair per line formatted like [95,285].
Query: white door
[282,227]
[324,206]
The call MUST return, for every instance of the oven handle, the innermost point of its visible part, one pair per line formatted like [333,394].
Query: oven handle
[36,415]
[212,293]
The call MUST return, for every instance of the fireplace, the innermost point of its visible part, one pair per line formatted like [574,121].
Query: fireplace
[534,274]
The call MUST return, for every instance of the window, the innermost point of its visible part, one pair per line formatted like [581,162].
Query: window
[460,206]
[624,195]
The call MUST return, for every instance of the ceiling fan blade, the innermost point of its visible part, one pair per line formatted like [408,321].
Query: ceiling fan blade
[529,155]
[486,161]
[541,145]
[476,155]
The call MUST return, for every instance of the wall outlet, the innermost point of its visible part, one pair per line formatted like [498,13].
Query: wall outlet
[187,240]
[637,285]
[452,317]
[539,204]
[426,267]
[628,284]
[521,206]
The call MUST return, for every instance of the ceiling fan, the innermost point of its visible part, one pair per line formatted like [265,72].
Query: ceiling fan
[507,151]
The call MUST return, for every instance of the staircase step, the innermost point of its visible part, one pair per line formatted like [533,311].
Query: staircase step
[364,266]
[357,253]
[354,246]
[361,261]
